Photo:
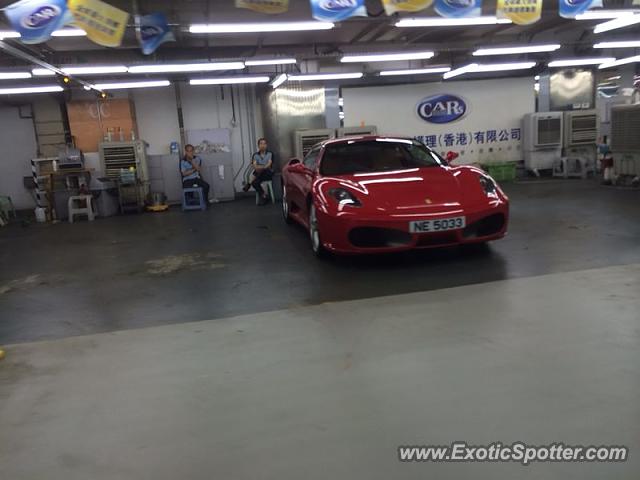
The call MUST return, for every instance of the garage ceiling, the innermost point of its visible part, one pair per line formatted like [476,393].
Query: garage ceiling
[320,50]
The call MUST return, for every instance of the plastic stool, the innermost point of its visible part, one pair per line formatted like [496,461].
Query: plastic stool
[87,209]
[268,184]
[193,199]
[6,207]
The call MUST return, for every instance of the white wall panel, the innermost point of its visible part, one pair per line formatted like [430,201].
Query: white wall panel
[18,141]
[157,118]
[492,105]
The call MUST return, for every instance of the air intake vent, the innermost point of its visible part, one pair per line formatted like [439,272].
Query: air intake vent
[306,139]
[115,156]
[625,125]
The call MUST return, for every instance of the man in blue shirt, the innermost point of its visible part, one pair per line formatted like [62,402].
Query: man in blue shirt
[191,170]
[262,162]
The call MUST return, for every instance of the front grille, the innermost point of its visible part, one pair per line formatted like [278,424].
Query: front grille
[487,226]
[375,237]
[436,239]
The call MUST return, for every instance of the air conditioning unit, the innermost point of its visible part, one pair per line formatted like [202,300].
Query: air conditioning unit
[580,128]
[357,131]
[304,140]
[625,139]
[115,156]
[542,130]
[542,140]
[580,151]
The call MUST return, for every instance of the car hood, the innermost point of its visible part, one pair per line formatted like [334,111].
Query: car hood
[416,188]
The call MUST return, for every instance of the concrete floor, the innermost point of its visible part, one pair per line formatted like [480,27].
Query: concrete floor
[145,270]
[330,391]
[317,368]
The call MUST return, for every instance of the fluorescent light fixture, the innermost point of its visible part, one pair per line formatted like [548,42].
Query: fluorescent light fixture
[14,75]
[272,61]
[603,14]
[279,80]
[186,67]
[341,102]
[69,32]
[460,71]
[260,27]
[623,44]
[516,50]
[325,76]
[43,72]
[123,85]
[387,57]
[616,23]
[450,22]
[228,80]
[537,78]
[39,89]
[91,70]
[8,34]
[415,71]
[576,62]
[501,67]
[492,67]
[622,61]
[65,32]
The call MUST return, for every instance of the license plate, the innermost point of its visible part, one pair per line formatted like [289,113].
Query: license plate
[439,225]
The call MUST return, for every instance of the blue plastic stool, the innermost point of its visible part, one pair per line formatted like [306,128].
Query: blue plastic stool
[193,199]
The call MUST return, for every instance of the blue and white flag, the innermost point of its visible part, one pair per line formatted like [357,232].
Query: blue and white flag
[458,8]
[337,10]
[153,30]
[571,8]
[36,20]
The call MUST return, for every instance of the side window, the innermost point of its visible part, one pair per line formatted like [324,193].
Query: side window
[311,160]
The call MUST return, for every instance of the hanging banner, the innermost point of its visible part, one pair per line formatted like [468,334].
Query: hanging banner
[152,31]
[393,6]
[264,6]
[458,8]
[520,12]
[103,23]
[36,20]
[571,8]
[337,10]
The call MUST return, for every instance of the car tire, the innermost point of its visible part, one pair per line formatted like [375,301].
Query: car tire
[286,214]
[314,233]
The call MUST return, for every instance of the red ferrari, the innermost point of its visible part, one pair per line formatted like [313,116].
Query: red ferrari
[380,194]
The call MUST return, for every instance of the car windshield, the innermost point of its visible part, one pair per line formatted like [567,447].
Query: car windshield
[376,156]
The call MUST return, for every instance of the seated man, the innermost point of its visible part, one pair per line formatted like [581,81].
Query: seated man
[191,169]
[262,161]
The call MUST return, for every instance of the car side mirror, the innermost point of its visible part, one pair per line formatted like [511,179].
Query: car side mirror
[450,157]
[295,166]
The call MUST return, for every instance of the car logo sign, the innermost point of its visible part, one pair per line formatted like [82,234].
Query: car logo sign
[337,5]
[40,17]
[442,108]
[428,201]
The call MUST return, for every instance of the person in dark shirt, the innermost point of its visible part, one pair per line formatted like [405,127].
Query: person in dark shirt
[191,170]
[262,162]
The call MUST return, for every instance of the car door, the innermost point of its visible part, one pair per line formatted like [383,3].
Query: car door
[301,179]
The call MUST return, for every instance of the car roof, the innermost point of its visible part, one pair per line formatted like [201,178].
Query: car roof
[360,138]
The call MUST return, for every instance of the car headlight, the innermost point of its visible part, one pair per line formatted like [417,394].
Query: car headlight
[344,197]
[487,184]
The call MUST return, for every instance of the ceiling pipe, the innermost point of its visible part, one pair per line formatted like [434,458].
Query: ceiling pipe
[16,52]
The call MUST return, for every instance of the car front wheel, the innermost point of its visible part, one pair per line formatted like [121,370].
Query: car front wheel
[285,205]
[314,233]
